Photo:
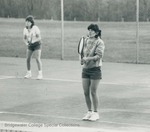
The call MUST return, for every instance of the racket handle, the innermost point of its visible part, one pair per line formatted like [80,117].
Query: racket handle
[82,62]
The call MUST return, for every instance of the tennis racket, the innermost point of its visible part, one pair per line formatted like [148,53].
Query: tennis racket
[81,48]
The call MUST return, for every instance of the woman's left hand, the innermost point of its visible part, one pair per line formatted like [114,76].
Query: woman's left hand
[86,59]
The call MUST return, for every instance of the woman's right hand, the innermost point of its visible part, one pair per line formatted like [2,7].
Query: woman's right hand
[82,61]
[26,43]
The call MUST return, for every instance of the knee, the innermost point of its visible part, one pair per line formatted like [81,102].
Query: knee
[86,94]
[93,93]
[28,59]
[38,59]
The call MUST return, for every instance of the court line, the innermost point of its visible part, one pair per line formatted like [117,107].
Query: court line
[110,83]
[6,77]
[2,77]
[56,128]
[71,118]
[62,80]
[127,111]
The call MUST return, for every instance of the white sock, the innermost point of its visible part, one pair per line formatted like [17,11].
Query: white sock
[29,72]
[40,72]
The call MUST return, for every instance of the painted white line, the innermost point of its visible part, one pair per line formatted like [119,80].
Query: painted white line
[79,81]
[39,115]
[127,124]
[71,118]
[6,77]
[62,80]
[127,111]
[108,83]
[44,127]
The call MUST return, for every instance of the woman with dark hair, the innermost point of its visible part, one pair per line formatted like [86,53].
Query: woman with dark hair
[91,72]
[32,38]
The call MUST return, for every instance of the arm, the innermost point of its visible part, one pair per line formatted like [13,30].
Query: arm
[25,40]
[99,51]
[37,34]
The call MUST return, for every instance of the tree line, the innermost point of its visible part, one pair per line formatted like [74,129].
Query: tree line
[79,10]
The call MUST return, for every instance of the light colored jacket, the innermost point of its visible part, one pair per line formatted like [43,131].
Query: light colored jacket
[94,49]
[31,35]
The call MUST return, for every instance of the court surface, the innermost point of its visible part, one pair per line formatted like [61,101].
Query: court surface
[56,103]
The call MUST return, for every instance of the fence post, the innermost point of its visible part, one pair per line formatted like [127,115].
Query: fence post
[137,31]
[62,29]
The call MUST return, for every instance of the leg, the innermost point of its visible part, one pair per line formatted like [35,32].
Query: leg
[38,59]
[29,55]
[86,88]
[94,86]
[39,63]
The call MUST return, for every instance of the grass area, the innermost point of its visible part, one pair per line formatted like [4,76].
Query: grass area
[119,38]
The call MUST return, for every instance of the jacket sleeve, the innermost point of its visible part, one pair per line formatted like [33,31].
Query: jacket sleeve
[99,51]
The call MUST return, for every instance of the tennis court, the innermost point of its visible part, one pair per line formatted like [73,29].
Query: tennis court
[58,99]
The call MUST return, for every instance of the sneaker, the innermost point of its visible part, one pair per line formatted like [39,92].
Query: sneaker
[94,116]
[28,75]
[87,115]
[39,77]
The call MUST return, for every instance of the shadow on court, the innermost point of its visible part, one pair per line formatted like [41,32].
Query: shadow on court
[58,98]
